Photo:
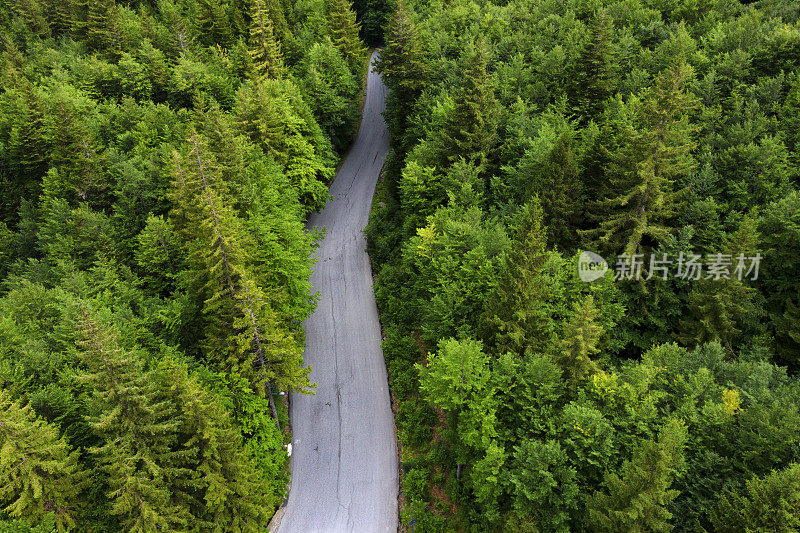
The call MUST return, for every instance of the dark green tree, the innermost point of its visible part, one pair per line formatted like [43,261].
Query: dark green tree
[138,427]
[771,503]
[654,150]
[225,491]
[344,32]
[470,131]
[213,23]
[593,78]
[637,498]
[579,343]
[518,316]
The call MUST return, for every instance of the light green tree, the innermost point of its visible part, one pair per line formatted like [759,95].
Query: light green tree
[579,343]
[265,49]
[39,473]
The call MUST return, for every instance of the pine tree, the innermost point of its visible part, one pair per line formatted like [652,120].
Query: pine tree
[139,430]
[579,343]
[344,32]
[60,14]
[721,309]
[39,474]
[471,128]
[243,332]
[402,61]
[214,24]
[31,12]
[280,26]
[78,175]
[593,69]
[636,501]
[265,50]
[771,503]
[226,492]
[518,316]
[33,148]
[101,25]
[654,150]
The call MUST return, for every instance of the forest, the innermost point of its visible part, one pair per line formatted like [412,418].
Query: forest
[158,160]
[662,136]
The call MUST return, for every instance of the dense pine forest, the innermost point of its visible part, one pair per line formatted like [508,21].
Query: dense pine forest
[661,135]
[158,160]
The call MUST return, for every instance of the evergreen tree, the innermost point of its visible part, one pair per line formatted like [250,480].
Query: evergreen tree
[31,12]
[545,486]
[579,343]
[470,131]
[344,32]
[100,26]
[653,151]
[60,15]
[225,493]
[593,74]
[39,474]
[402,60]
[771,503]
[243,334]
[723,308]
[213,23]
[139,431]
[518,317]
[78,175]
[637,499]
[265,50]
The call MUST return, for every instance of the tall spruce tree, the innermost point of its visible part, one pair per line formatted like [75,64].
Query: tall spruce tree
[470,131]
[214,24]
[39,474]
[579,343]
[402,63]
[636,500]
[225,492]
[722,307]
[139,431]
[593,76]
[654,150]
[265,49]
[518,317]
[344,31]
[243,333]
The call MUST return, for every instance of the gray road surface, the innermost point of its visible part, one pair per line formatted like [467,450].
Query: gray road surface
[344,464]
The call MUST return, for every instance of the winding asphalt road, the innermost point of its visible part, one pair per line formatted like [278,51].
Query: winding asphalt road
[344,464]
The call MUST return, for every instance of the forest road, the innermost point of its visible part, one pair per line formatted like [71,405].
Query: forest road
[344,458]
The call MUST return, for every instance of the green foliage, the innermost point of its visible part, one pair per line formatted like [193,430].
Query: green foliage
[265,51]
[637,500]
[344,33]
[771,503]
[545,483]
[243,332]
[40,475]
[518,315]
[654,151]
[580,342]
[632,127]
[143,322]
